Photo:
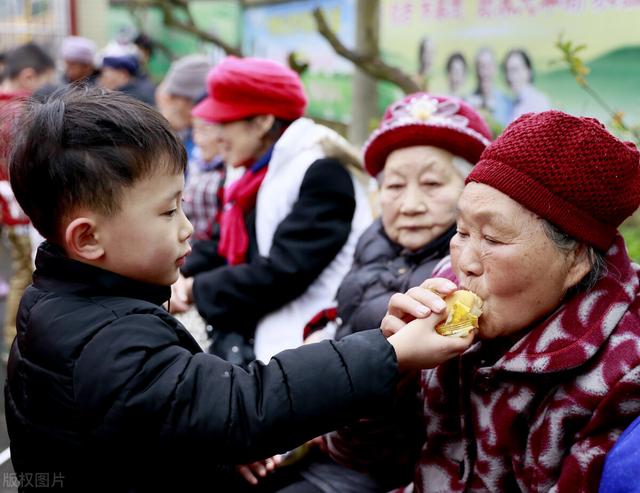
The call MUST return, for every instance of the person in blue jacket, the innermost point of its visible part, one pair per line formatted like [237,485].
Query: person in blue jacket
[620,474]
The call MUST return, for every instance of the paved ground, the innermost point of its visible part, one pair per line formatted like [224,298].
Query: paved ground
[7,476]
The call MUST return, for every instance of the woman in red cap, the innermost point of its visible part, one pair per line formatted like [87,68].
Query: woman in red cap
[289,224]
[537,402]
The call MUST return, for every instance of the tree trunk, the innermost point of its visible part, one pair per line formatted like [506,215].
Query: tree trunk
[365,93]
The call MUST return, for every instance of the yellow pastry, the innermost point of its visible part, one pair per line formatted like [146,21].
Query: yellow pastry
[463,310]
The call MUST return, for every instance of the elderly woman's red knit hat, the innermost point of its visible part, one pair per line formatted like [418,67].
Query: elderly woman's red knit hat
[425,119]
[570,171]
[239,88]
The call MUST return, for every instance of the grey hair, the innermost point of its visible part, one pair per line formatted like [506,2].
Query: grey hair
[567,243]
[462,166]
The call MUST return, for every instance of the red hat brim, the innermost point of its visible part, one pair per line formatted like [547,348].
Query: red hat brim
[215,111]
[458,143]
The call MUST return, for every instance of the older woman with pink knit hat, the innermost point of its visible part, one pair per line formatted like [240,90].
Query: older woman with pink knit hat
[288,226]
[554,376]
[421,153]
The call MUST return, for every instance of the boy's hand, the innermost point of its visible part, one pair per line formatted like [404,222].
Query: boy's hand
[181,295]
[418,302]
[259,469]
[419,346]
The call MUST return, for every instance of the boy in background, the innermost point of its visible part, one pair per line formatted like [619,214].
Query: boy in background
[108,392]
[27,69]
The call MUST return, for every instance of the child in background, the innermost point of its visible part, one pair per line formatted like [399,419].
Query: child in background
[27,69]
[108,392]
[205,180]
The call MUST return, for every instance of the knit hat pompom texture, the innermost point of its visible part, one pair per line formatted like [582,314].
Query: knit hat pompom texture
[568,170]
[428,120]
[239,88]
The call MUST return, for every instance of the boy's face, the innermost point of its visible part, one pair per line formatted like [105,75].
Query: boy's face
[147,239]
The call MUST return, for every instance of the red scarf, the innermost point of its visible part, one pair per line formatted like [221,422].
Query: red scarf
[239,199]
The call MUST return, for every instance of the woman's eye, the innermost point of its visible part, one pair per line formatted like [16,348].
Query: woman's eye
[462,234]
[430,184]
[170,213]
[491,240]
[395,186]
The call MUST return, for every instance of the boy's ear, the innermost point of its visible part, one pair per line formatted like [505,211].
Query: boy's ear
[81,239]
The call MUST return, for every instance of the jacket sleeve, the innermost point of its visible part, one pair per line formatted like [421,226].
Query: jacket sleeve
[386,444]
[582,468]
[146,389]
[622,463]
[304,244]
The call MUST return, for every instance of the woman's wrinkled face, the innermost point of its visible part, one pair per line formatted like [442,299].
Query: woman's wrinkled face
[418,195]
[502,253]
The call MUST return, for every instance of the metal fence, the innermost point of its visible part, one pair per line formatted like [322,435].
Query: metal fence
[44,22]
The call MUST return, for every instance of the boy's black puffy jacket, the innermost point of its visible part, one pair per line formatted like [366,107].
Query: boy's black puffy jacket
[110,393]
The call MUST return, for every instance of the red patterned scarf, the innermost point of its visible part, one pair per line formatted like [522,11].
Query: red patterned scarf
[239,199]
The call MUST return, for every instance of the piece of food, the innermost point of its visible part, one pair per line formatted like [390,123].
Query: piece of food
[463,310]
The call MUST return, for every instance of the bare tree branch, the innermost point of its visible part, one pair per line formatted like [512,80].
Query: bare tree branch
[137,19]
[167,7]
[373,66]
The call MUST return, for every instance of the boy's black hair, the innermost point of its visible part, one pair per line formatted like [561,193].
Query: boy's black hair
[28,55]
[82,147]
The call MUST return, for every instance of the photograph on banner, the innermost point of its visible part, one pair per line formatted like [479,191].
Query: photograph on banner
[502,56]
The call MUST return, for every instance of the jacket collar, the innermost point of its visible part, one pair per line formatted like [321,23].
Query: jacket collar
[436,248]
[56,271]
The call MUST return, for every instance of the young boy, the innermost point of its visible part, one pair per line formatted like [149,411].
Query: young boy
[108,392]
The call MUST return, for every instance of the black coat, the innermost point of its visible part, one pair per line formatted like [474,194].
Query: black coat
[107,389]
[380,269]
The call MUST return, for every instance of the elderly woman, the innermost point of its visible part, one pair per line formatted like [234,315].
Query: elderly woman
[554,378]
[421,153]
[288,226]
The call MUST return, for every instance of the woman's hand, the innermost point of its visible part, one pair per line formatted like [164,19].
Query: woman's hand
[418,302]
[181,295]
[259,469]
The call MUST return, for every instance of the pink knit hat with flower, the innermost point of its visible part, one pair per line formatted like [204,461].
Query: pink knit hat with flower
[239,88]
[424,119]
[570,171]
